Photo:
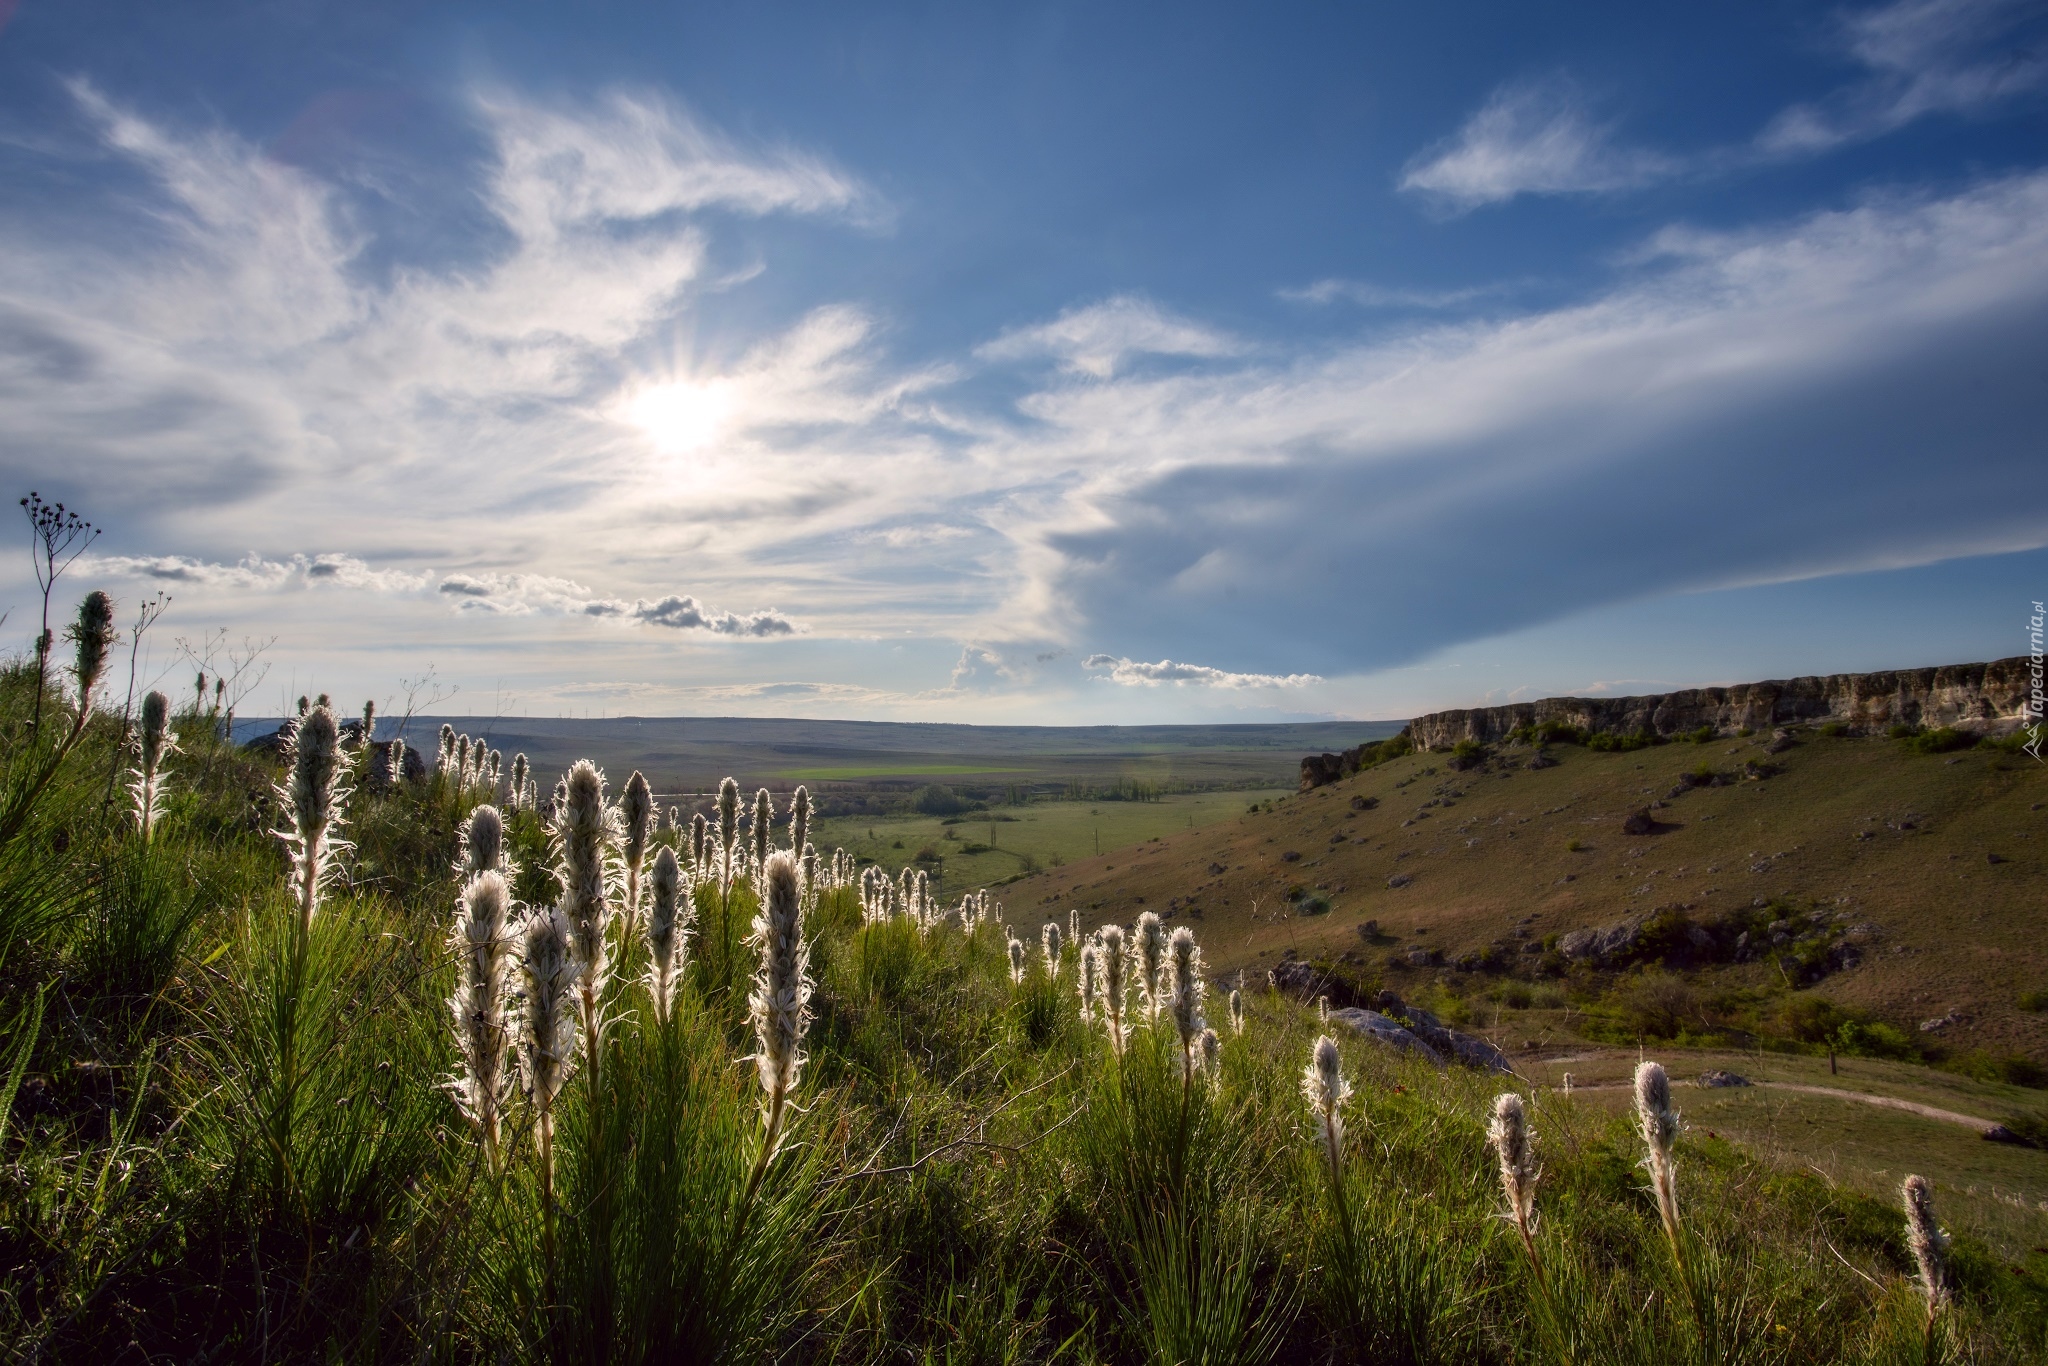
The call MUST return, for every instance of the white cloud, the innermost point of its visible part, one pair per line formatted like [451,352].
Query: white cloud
[1131,673]
[498,594]
[254,573]
[1922,57]
[1530,137]
[1096,340]
[687,614]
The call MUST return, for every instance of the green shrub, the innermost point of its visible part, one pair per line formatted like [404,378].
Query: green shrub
[1942,741]
[1834,729]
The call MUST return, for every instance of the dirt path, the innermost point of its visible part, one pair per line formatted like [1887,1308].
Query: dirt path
[1888,1102]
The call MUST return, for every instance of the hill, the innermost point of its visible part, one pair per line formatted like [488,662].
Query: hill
[1911,886]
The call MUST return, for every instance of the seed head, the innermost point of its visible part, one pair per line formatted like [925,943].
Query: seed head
[483,842]
[369,731]
[547,1015]
[1017,959]
[1185,989]
[1091,981]
[1515,1143]
[669,918]
[445,759]
[586,837]
[1115,961]
[1659,1122]
[699,830]
[780,1001]
[1049,938]
[93,633]
[637,811]
[313,798]
[1236,1011]
[762,831]
[1659,1125]
[799,819]
[1074,925]
[482,943]
[1212,1052]
[155,742]
[1151,963]
[1928,1243]
[728,831]
[519,768]
[1322,1082]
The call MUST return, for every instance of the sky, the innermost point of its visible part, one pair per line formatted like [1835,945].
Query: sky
[1059,364]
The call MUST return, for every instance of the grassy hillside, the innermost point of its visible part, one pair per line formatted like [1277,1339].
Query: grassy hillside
[1944,858]
[231,1134]
[992,847]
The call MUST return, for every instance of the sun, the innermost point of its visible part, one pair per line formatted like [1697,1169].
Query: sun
[684,416]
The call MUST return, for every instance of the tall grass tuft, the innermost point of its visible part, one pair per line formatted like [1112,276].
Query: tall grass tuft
[548,979]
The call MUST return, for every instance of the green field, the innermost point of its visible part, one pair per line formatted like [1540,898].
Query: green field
[985,848]
[825,775]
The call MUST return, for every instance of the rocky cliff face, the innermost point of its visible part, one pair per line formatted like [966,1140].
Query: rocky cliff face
[1981,697]
[1988,698]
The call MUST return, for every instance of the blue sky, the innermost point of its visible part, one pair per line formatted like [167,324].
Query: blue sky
[1034,363]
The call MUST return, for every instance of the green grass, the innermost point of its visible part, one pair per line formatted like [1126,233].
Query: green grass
[1009,841]
[819,775]
[228,1143]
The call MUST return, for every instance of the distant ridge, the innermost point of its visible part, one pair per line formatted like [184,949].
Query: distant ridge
[1982,697]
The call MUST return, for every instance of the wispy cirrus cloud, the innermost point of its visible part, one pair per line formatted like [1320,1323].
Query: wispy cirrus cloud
[1098,339]
[1530,137]
[1921,57]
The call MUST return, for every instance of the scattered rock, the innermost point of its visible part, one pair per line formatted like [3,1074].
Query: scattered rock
[1420,957]
[1380,1029]
[1639,822]
[1604,944]
[1722,1077]
[1941,1022]
[1399,880]
[1781,740]
[1541,759]
[1364,803]
[1217,870]
[1994,858]
[1998,1133]
[1291,856]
